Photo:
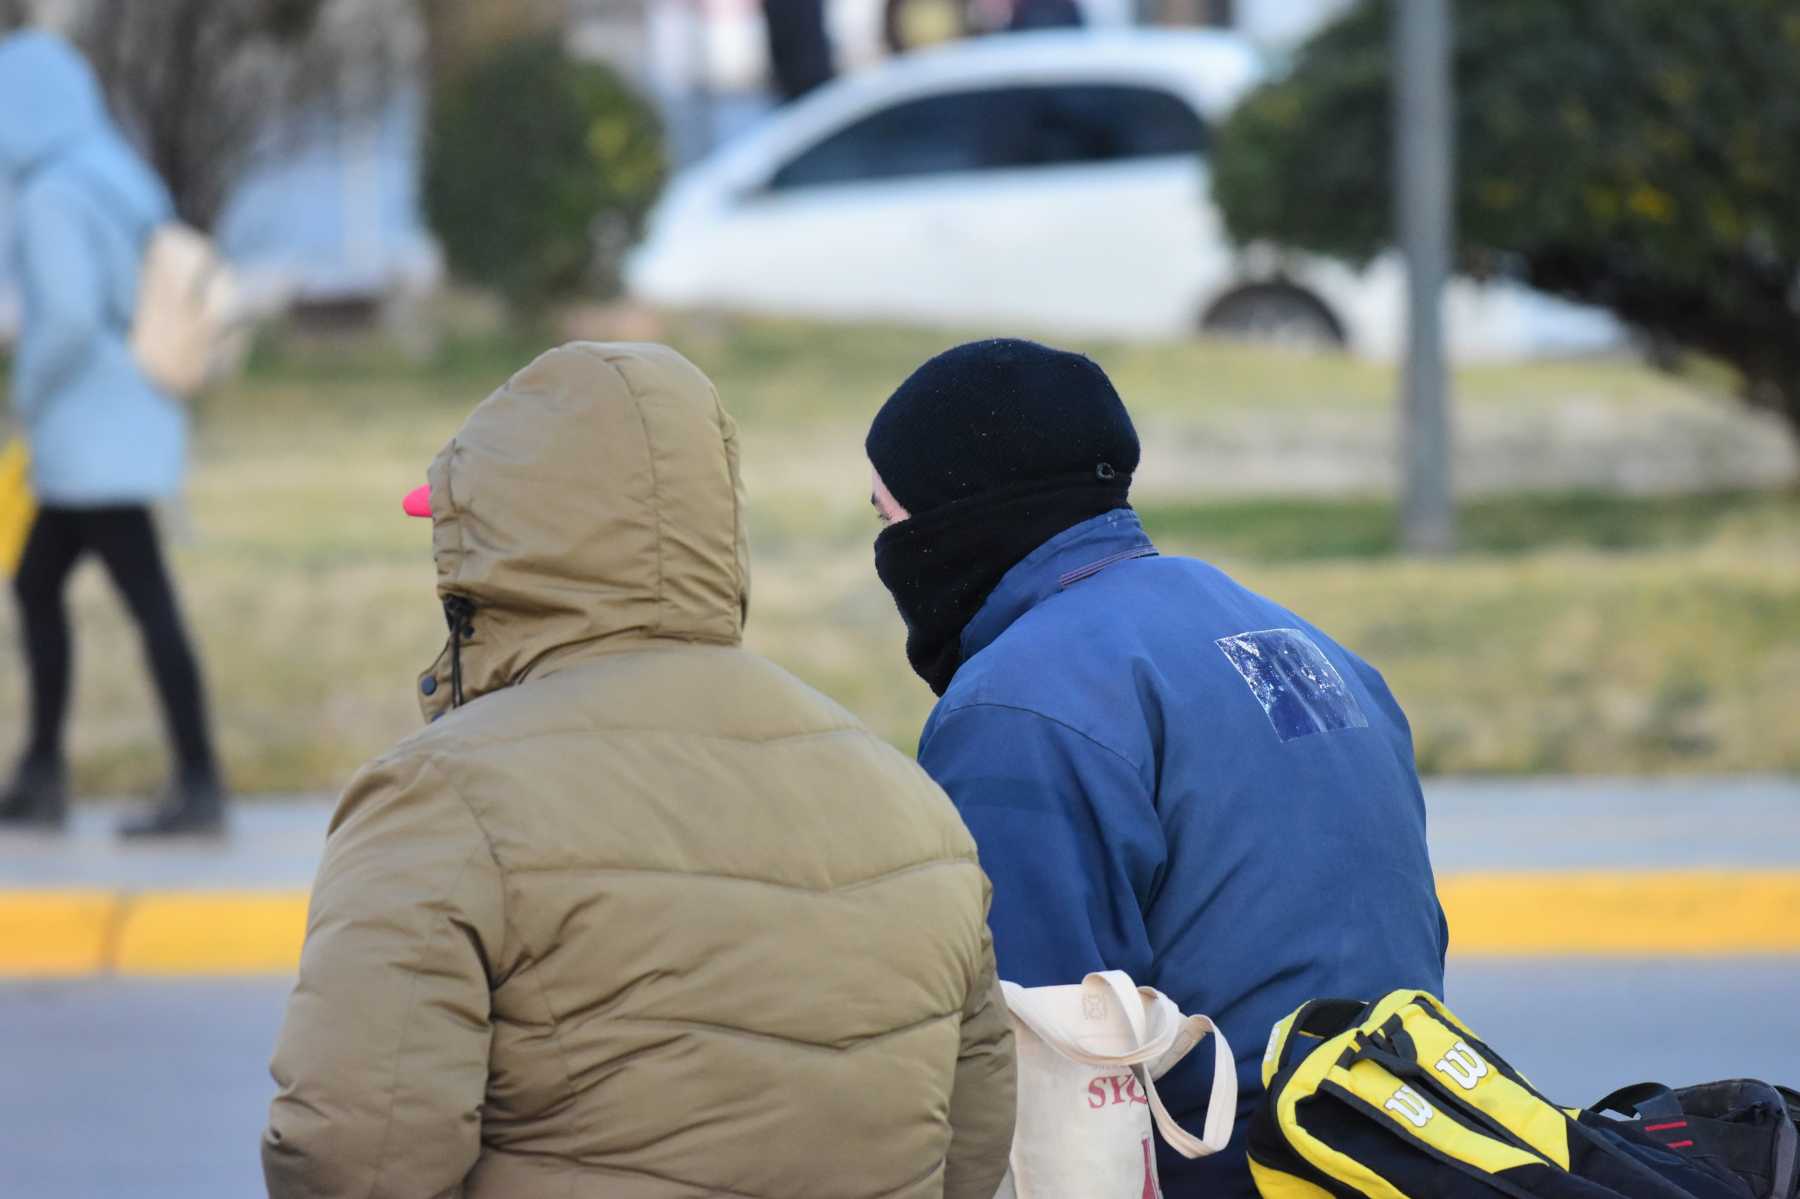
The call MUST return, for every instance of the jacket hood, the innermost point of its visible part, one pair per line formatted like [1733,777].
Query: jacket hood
[49,100]
[593,501]
[51,110]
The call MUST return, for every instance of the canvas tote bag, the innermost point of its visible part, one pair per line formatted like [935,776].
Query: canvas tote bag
[182,330]
[1089,1057]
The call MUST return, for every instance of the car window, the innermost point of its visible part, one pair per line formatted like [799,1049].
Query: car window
[1107,122]
[999,129]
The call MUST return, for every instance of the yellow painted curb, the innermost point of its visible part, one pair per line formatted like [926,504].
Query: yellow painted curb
[211,932]
[55,934]
[1690,913]
[75,934]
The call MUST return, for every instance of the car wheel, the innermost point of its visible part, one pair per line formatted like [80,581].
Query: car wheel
[1277,314]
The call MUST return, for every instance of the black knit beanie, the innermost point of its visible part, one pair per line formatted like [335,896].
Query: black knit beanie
[991,414]
[993,448]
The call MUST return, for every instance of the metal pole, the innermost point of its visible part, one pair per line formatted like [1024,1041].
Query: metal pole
[700,94]
[1423,113]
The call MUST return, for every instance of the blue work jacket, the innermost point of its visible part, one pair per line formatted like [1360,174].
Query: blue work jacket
[1171,775]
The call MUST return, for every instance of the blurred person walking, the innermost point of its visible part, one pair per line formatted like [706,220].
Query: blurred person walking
[1028,15]
[912,24]
[639,912]
[1166,773]
[105,443]
[800,55]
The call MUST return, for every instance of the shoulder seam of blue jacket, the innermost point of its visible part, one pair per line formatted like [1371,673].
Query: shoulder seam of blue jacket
[973,705]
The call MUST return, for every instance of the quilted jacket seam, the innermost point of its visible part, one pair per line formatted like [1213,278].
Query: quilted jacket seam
[705,875]
[751,1034]
[513,934]
[467,743]
[382,1157]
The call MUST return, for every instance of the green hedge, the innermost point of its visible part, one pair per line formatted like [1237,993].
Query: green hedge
[1639,154]
[539,171]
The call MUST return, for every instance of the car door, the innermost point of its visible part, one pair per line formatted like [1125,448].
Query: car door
[1101,223]
[855,222]
[1034,204]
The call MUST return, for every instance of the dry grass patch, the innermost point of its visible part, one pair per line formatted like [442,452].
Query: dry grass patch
[1583,633]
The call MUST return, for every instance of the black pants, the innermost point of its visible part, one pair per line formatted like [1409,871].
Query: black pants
[799,47]
[125,541]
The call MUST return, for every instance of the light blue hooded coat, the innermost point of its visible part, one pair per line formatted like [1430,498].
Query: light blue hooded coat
[85,206]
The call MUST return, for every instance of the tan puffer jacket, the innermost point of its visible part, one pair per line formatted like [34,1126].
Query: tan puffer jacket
[645,917]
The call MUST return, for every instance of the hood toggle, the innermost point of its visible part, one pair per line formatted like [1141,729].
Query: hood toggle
[459,612]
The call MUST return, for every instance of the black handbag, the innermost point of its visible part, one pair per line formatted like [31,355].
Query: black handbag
[1741,1125]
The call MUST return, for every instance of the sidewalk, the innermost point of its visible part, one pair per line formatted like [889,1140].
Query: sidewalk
[1655,868]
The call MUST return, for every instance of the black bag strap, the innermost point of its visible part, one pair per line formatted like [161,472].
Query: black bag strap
[1326,1018]
[1317,1022]
[1650,1100]
[1787,1161]
[1787,1146]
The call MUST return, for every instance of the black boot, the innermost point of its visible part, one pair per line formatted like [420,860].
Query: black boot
[37,799]
[188,809]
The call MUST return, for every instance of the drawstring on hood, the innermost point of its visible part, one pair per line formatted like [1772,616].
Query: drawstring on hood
[457,614]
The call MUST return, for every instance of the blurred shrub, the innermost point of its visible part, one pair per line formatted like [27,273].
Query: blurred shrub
[539,171]
[1643,155]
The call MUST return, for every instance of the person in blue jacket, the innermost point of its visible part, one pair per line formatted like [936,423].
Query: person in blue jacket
[1166,773]
[105,443]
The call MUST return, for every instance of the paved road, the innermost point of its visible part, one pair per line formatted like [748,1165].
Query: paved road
[158,1090]
[1476,824]
[114,1087]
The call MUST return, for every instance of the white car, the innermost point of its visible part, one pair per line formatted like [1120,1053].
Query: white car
[1052,182]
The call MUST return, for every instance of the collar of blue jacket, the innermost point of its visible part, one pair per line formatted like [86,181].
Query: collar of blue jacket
[1076,553]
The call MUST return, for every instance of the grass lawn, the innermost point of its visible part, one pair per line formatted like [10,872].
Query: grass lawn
[1582,630]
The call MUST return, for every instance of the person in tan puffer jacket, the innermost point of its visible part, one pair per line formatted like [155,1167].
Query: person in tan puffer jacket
[639,915]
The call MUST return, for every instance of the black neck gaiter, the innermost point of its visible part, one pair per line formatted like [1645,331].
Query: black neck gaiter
[941,566]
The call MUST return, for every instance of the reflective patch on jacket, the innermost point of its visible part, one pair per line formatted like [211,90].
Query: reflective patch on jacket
[1299,689]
